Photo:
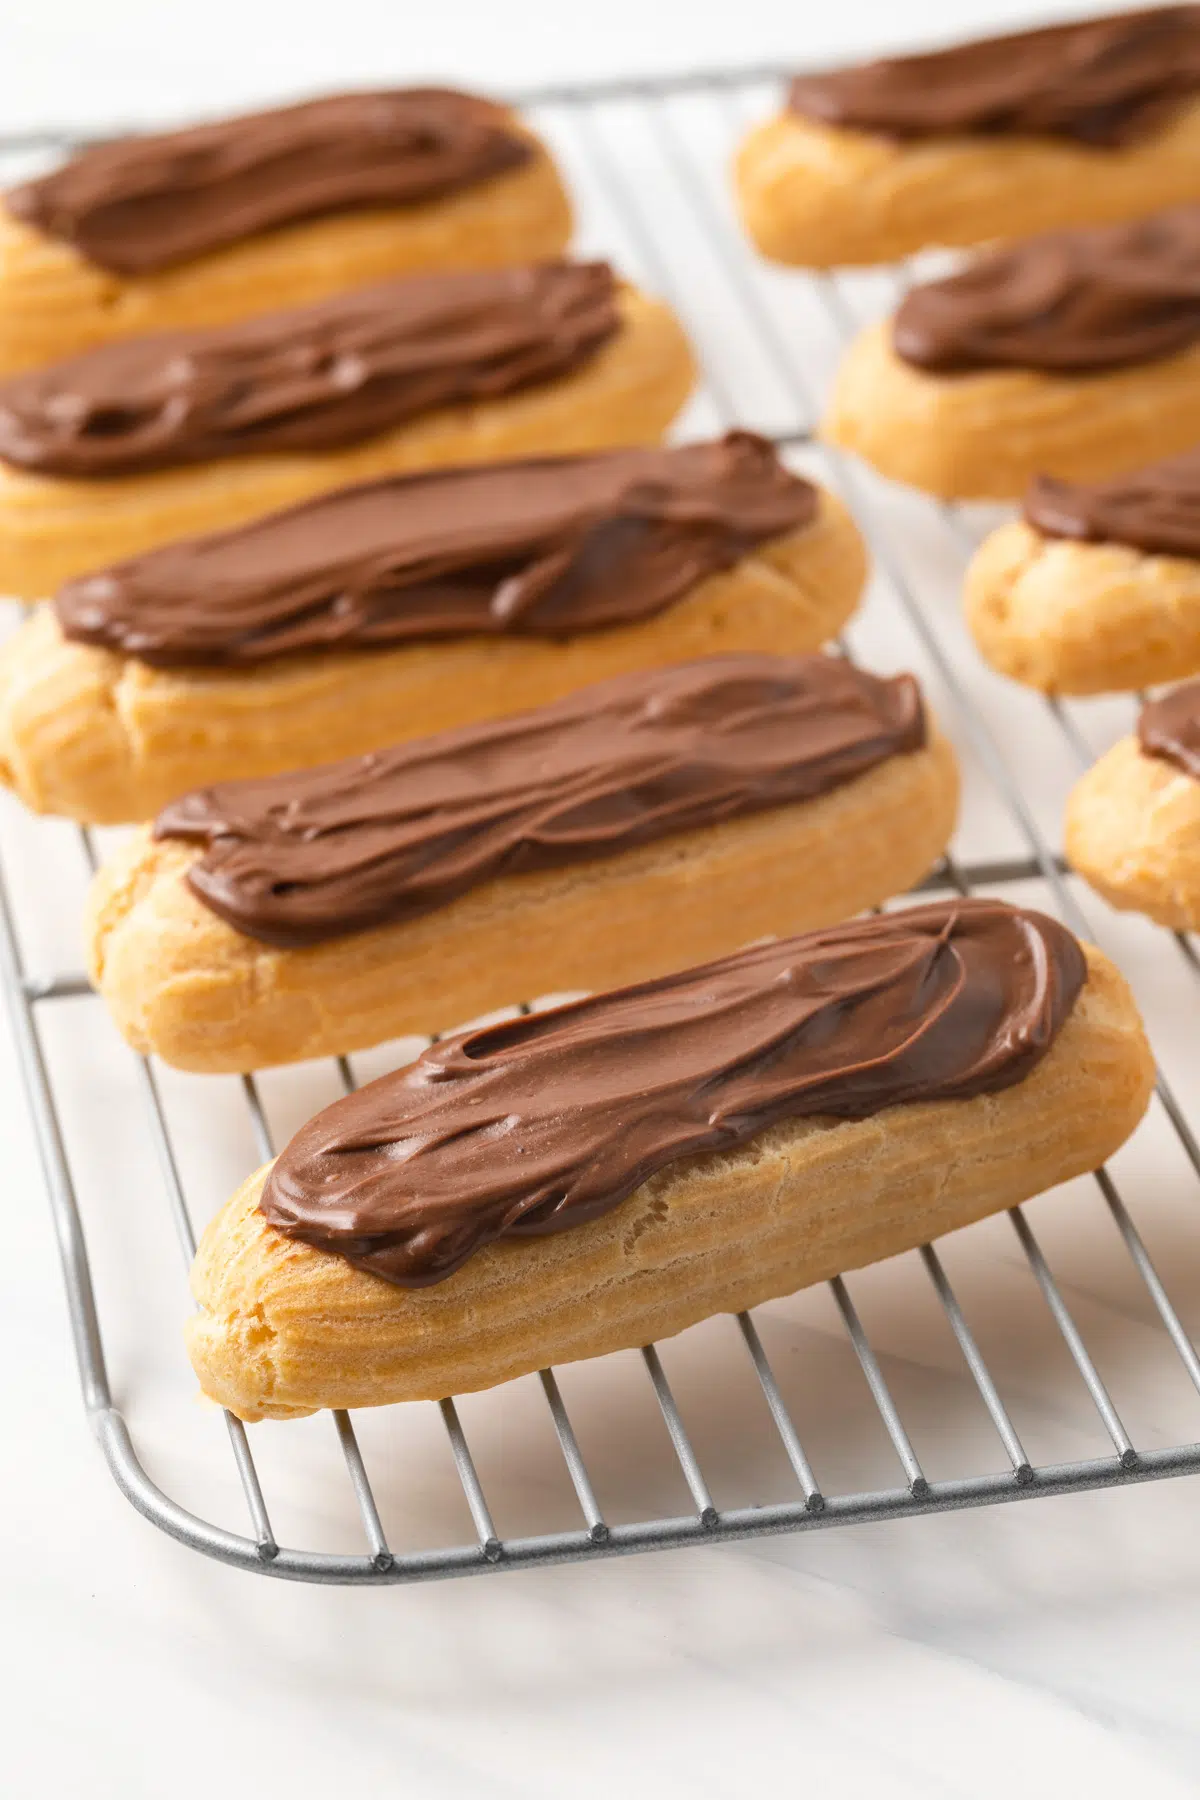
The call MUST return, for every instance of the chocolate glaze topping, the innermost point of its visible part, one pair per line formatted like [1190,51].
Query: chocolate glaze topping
[1103,82]
[1169,728]
[1156,508]
[550,1121]
[310,379]
[143,203]
[298,858]
[1068,302]
[530,549]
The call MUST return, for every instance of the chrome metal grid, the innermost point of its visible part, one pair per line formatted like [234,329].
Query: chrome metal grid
[647,161]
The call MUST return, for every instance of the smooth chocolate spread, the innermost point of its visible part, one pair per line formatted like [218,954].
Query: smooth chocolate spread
[1068,302]
[1169,728]
[532,549]
[547,1122]
[143,203]
[312,378]
[294,859]
[1103,82]
[1156,508]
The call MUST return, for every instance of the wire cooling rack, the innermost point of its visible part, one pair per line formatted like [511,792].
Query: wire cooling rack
[987,1389]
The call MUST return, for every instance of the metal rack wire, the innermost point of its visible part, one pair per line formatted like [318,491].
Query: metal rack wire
[620,188]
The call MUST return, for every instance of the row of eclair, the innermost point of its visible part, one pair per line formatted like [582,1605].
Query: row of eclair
[1062,368]
[370,616]
[435,683]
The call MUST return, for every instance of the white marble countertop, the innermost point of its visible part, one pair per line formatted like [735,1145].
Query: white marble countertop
[1043,1648]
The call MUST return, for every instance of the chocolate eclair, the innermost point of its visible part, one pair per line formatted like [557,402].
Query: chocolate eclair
[1168,728]
[1096,588]
[1084,123]
[641,822]
[268,209]
[1075,354]
[1156,509]
[131,445]
[612,1171]
[1133,821]
[402,606]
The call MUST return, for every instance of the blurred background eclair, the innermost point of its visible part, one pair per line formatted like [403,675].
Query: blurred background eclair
[1084,123]
[1075,353]
[1096,588]
[267,210]
[1133,821]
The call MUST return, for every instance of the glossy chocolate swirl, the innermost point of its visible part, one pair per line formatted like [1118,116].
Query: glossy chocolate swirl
[543,548]
[310,379]
[1068,302]
[1156,508]
[550,1121]
[1169,728]
[145,203]
[1103,82]
[299,858]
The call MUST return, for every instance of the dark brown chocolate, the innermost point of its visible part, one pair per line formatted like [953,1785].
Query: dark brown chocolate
[1067,302]
[313,378]
[299,858]
[543,548]
[550,1121]
[145,203]
[1156,508]
[1104,82]
[1169,728]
